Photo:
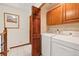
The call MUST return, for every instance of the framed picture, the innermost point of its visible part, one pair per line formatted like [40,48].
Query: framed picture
[11,21]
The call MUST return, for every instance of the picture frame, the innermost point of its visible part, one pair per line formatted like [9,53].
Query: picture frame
[11,21]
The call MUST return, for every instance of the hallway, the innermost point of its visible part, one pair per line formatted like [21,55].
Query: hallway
[15,18]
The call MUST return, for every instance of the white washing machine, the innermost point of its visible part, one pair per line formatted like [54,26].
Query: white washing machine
[64,46]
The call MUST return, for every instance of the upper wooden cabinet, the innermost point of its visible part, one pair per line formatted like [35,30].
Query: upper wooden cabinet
[63,13]
[71,12]
[57,15]
[49,16]
[54,16]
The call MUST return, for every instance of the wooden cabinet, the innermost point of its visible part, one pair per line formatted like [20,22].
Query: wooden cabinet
[54,17]
[63,13]
[57,15]
[71,12]
[49,16]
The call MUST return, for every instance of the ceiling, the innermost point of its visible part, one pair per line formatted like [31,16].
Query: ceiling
[26,7]
[49,5]
[21,5]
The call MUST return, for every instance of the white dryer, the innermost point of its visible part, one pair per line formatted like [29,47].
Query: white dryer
[46,43]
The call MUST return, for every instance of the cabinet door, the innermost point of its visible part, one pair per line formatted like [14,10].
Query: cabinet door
[49,20]
[57,15]
[71,12]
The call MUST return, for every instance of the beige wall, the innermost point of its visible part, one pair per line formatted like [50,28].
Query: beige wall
[43,19]
[16,36]
[64,27]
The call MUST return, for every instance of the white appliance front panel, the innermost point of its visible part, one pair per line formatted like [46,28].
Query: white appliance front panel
[59,49]
[46,45]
